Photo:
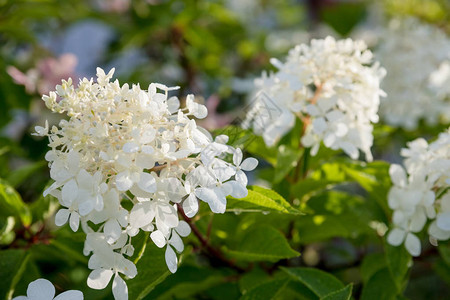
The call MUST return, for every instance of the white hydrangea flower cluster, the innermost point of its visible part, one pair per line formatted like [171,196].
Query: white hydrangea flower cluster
[421,193]
[333,86]
[123,144]
[416,56]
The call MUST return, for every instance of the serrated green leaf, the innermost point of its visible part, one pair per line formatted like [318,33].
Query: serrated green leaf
[11,204]
[12,266]
[261,200]
[262,243]
[342,294]
[267,290]
[152,270]
[319,282]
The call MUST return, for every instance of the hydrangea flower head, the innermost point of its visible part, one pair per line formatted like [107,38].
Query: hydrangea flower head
[123,143]
[420,193]
[416,56]
[333,86]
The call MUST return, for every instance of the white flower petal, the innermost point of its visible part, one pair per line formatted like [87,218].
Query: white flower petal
[130,147]
[158,238]
[412,244]
[147,183]
[61,217]
[41,289]
[398,175]
[183,229]
[126,267]
[142,214]
[119,288]
[190,205]
[237,189]
[396,236]
[214,197]
[241,177]
[69,192]
[443,221]
[74,221]
[171,259]
[249,164]
[176,242]
[112,231]
[99,279]
[123,181]
[70,295]
[237,157]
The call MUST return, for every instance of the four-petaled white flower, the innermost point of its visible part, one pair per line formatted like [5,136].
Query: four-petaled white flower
[42,289]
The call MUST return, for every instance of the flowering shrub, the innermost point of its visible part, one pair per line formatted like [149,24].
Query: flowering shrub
[328,177]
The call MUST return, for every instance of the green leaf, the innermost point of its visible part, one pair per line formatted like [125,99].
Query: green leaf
[303,190]
[262,243]
[398,261]
[17,177]
[44,207]
[152,270]
[12,266]
[251,279]
[191,281]
[380,286]
[11,204]
[374,178]
[261,200]
[267,290]
[7,234]
[442,269]
[444,251]
[371,264]
[319,282]
[342,294]
[334,213]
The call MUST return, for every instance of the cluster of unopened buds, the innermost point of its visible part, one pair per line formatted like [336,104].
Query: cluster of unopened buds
[421,193]
[332,86]
[125,144]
